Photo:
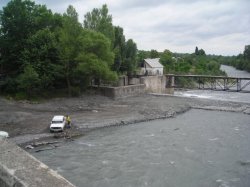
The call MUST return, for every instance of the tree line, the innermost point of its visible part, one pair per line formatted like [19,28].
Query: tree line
[179,63]
[241,61]
[41,51]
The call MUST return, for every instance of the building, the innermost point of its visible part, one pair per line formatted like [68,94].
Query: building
[152,67]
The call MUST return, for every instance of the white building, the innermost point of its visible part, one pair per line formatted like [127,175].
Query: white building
[152,67]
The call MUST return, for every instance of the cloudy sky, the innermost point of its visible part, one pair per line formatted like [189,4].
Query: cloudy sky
[217,26]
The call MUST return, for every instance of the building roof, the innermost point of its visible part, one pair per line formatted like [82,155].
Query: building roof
[154,62]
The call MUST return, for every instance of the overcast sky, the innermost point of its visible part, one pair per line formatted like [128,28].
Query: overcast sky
[217,26]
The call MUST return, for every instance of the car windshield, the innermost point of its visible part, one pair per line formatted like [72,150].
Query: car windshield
[56,121]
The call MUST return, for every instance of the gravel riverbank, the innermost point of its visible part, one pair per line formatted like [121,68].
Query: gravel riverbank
[26,121]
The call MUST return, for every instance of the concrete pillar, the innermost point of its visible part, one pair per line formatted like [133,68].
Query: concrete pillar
[170,82]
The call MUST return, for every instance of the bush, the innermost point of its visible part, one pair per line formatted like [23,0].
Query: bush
[29,81]
[10,85]
[20,96]
[75,91]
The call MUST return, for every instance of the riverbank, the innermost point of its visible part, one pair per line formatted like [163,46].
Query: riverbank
[27,122]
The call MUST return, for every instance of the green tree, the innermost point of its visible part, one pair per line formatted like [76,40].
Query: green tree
[95,59]
[69,44]
[99,20]
[141,55]
[19,20]
[130,64]
[29,81]
[247,52]
[196,50]
[167,61]
[202,52]
[43,55]
[154,54]
[119,48]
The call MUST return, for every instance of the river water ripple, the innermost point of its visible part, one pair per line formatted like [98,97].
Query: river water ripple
[198,148]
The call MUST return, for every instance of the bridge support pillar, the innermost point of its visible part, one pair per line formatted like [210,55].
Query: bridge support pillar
[170,82]
[238,85]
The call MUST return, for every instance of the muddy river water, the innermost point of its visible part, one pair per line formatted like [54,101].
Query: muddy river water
[198,148]
[194,149]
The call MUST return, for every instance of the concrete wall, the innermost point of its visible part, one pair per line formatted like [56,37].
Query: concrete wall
[150,84]
[20,169]
[158,84]
[154,84]
[123,81]
[133,81]
[170,82]
[122,91]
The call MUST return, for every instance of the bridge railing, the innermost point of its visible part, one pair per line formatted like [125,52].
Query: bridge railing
[210,82]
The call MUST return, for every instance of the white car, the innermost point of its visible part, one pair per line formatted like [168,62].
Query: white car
[57,124]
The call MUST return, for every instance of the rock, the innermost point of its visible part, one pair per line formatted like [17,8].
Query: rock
[222,183]
[46,149]
[172,162]
[37,144]
[3,135]
[29,147]
[244,163]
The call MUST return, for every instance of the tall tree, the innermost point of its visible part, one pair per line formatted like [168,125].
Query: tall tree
[129,65]
[19,20]
[43,55]
[119,48]
[95,59]
[99,20]
[69,44]
[196,50]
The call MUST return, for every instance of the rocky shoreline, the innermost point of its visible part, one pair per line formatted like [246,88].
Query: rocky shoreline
[28,123]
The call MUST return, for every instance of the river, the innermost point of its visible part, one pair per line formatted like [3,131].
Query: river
[197,148]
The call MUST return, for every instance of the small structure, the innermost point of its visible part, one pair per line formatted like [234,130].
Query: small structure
[152,67]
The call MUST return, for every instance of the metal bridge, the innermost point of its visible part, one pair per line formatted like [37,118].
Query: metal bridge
[239,84]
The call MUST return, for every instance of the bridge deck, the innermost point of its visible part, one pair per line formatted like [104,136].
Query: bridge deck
[215,82]
[209,76]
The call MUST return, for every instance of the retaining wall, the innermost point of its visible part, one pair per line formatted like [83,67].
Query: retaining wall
[121,91]
[20,169]
[157,84]
[154,84]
